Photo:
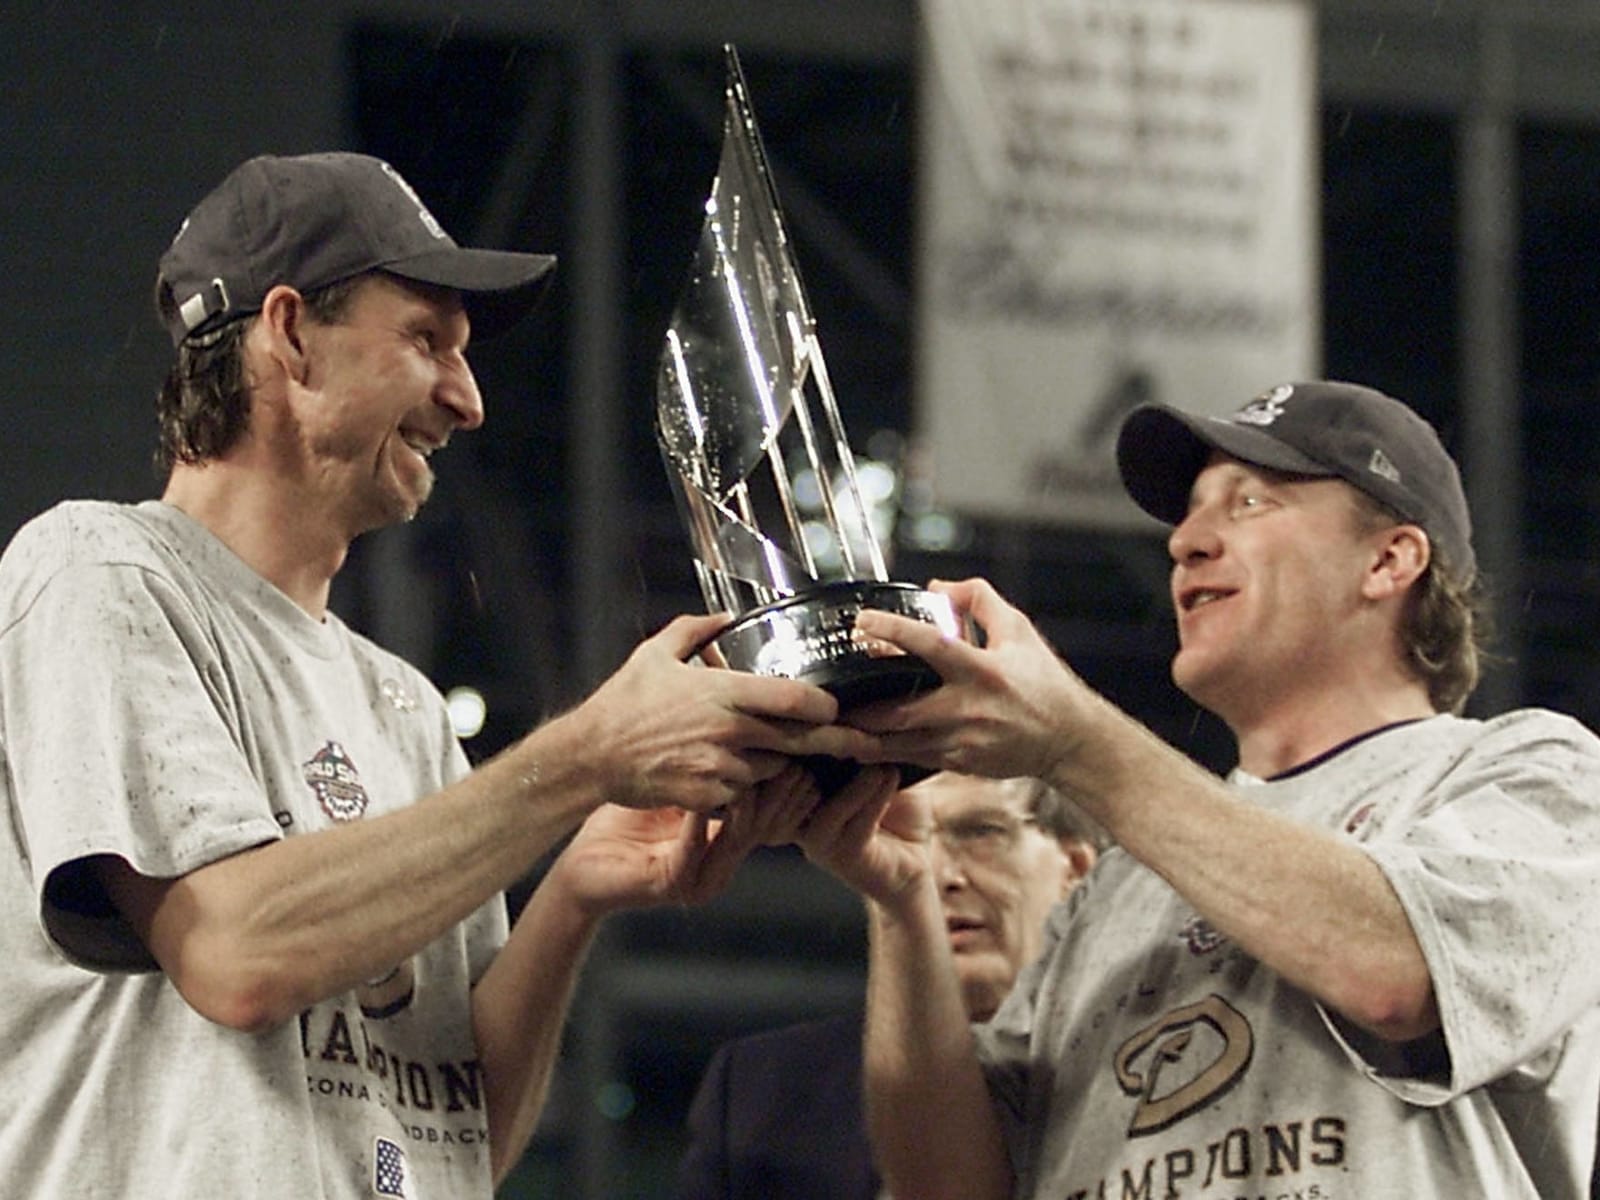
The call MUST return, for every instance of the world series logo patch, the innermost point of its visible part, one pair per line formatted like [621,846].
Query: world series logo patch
[1265,408]
[332,776]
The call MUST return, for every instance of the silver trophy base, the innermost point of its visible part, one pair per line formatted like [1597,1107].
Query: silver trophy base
[811,637]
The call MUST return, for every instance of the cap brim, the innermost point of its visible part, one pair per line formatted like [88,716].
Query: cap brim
[1160,451]
[498,287]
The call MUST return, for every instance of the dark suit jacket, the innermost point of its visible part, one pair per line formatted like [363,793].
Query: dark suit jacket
[778,1116]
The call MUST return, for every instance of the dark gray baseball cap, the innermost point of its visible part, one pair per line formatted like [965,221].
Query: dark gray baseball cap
[1321,429]
[315,219]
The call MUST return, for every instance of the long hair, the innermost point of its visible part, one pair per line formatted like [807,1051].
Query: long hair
[203,406]
[1444,625]
[1061,817]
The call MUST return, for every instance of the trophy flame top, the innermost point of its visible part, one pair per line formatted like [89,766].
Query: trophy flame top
[738,373]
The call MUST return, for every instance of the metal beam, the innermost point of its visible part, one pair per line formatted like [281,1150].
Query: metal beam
[1490,336]
[594,407]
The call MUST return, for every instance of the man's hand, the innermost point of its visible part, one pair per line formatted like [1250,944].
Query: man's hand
[665,731]
[639,858]
[872,836]
[1010,707]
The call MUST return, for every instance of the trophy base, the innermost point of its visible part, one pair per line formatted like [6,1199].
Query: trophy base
[811,637]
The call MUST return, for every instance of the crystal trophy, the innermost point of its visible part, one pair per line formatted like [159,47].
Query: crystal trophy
[757,454]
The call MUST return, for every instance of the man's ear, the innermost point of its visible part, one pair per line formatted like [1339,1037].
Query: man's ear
[282,327]
[1402,556]
[1080,857]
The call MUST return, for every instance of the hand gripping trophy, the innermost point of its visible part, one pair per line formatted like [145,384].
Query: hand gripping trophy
[739,390]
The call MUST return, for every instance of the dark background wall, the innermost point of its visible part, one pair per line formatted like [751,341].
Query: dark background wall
[117,118]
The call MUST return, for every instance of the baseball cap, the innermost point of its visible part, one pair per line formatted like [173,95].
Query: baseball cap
[1322,429]
[314,219]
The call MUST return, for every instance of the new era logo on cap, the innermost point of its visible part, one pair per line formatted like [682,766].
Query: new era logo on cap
[1380,465]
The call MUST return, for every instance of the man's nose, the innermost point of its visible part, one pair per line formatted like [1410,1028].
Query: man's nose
[1194,537]
[948,871]
[458,391]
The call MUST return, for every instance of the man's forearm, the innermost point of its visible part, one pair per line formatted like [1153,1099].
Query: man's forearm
[252,939]
[518,1010]
[1350,944]
[933,1125]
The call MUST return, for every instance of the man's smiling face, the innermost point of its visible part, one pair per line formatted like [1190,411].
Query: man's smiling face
[1267,572]
[389,384]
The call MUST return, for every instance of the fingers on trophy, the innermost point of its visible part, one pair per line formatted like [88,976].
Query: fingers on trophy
[748,424]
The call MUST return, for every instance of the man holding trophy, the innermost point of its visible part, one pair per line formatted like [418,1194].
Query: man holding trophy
[1361,966]
[253,915]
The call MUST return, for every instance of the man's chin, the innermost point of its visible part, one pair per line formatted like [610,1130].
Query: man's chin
[401,506]
[984,968]
[981,992]
[410,502]
[1193,677]
[406,490]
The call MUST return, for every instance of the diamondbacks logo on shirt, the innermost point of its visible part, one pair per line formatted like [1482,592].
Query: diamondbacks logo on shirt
[1183,1061]
[332,776]
[389,994]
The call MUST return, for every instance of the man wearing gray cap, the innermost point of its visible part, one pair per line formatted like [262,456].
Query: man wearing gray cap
[250,894]
[1362,966]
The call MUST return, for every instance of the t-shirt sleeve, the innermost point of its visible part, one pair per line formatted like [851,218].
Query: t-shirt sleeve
[1500,878]
[121,738]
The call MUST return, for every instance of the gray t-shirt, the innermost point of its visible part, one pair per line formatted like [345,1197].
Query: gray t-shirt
[1145,1055]
[161,702]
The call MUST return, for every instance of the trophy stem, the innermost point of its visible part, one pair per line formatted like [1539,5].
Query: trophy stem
[785,489]
[847,464]
[775,569]
[772,418]
[819,468]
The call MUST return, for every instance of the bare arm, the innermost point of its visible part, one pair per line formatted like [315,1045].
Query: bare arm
[1013,708]
[933,1126]
[252,939]
[1351,943]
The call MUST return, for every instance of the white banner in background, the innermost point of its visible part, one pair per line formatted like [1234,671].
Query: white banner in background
[1118,204]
